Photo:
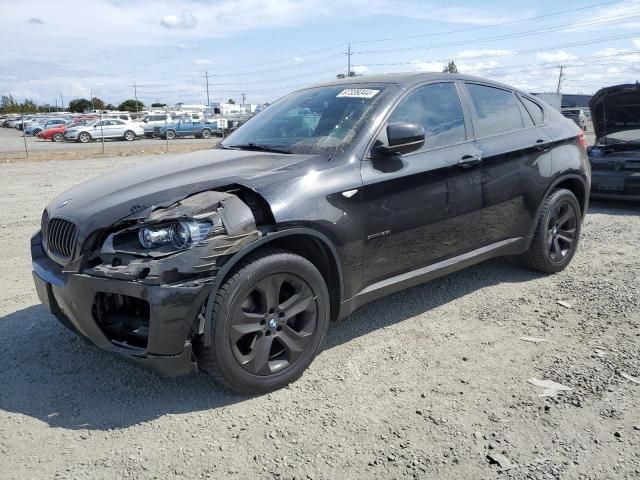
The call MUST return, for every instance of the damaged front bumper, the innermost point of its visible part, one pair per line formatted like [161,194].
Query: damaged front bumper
[146,324]
[615,184]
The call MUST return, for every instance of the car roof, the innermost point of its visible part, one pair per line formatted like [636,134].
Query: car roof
[409,79]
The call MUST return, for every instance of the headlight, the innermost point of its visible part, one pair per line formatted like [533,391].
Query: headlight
[181,234]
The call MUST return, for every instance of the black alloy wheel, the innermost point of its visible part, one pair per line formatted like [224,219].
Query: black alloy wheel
[274,325]
[561,230]
[269,319]
[557,232]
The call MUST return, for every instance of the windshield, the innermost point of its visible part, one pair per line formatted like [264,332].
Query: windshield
[322,120]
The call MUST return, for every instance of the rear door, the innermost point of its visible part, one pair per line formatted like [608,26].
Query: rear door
[516,161]
[424,206]
[118,127]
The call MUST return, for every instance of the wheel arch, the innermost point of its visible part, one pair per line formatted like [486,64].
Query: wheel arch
[306,242]
[572,182]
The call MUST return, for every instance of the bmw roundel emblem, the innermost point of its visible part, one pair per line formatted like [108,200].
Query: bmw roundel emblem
[64,204]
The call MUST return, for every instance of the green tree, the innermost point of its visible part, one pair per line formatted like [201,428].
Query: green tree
[98,104]
[28,106]
[130,106]
[79,105]
[8,104]
[231,101]
[158,105]
[342,75]
[450,68]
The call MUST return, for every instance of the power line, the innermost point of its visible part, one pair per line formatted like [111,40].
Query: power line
[502,37]
[516,52]
[493,25]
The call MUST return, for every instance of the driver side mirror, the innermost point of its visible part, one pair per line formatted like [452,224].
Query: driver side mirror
[402,138]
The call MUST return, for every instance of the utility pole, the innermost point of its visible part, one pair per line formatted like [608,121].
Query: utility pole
[93,109]
[560,78]
[243,98]
[349,60]
[135,94]
[56,104]
[206,76]
[62,101]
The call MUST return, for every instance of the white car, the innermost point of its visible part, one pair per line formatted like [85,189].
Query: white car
[109,128]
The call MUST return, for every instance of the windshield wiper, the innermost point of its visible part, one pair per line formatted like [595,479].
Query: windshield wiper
[257,148]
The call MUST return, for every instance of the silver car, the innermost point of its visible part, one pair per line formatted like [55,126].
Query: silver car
[109,128]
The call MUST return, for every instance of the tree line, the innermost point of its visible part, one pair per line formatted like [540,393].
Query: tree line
[8,104]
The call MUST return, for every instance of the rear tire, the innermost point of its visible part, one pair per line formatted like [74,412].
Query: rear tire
[206,134]
[57,137]
[129,136]
[170,134]
[555,240]
[269,320]
[84,137]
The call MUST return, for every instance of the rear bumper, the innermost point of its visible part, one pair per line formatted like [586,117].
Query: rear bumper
[163,346]
[615,184]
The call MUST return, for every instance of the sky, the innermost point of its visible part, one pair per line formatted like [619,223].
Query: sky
[267,48]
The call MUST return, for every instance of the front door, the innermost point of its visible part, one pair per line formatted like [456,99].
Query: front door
[424,206]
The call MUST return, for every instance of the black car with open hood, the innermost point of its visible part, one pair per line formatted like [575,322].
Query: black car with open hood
[615,157]
[234,260]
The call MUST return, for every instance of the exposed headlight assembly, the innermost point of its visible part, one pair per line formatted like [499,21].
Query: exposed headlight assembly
[181,234]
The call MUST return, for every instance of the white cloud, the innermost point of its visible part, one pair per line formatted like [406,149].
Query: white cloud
[422,66]
[360,69]
[185,20]
[202,61]
[558,56]
[298,59]
[483,53]
[636,42]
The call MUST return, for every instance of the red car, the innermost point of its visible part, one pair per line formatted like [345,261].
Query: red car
[55,133]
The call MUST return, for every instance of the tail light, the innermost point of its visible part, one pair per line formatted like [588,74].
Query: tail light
[582,139]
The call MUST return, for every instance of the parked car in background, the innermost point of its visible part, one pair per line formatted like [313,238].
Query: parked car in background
[35,128]
[152,120]
[103,129]
[54,133]
[234,260]
[615,156]
[578,116]
[186,127]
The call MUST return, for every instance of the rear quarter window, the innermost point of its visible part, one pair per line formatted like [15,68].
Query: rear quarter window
[535,110]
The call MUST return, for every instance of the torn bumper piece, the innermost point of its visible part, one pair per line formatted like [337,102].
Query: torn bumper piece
[145,324]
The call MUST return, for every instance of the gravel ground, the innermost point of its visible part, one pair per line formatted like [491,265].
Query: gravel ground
[431,382]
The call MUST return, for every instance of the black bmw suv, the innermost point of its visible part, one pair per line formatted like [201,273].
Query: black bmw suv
[234,260]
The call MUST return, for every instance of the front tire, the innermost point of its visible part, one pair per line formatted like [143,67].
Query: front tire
[555,240]
[269,318]
[57,137]
[84,137]
[170,135]
[206,134]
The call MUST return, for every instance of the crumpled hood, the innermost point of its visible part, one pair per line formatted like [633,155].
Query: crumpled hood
[102,201]
[615,109]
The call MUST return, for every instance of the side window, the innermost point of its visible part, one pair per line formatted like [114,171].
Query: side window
[497,110]
[534,110]
[437,108]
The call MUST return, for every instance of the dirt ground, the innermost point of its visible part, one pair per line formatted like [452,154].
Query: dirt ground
[428,383]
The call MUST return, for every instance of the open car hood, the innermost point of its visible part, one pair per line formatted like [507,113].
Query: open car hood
[616,109]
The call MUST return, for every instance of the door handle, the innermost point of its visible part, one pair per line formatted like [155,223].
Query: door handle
[542,145]
[469,161]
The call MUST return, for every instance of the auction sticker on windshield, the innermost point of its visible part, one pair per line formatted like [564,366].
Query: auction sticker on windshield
[358,93]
